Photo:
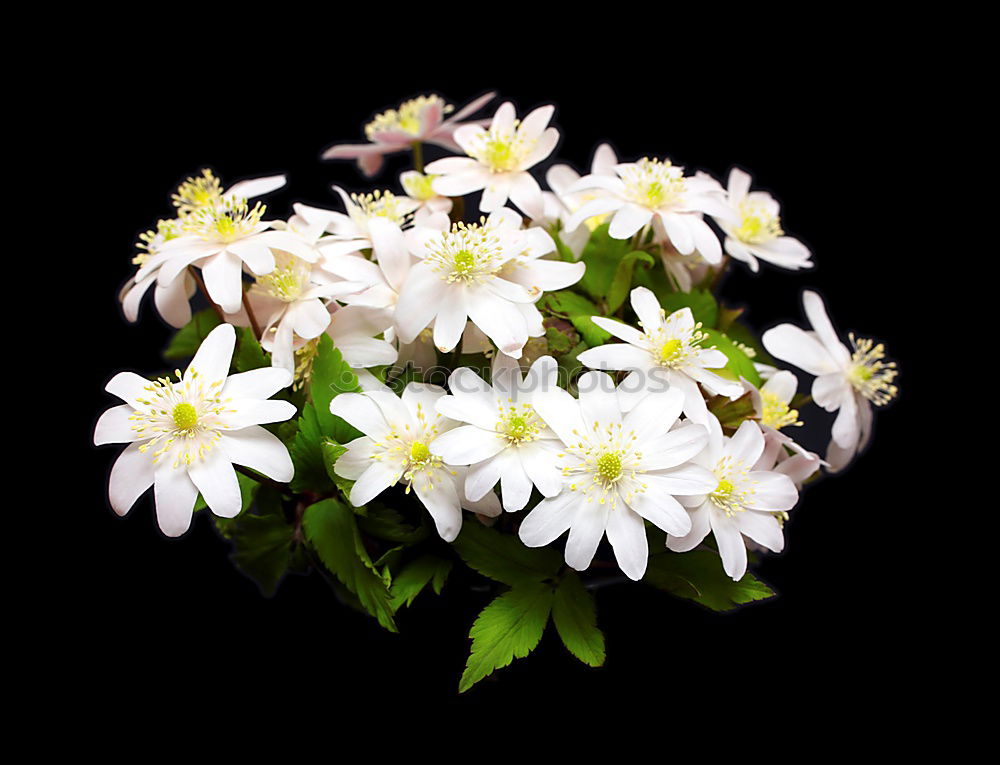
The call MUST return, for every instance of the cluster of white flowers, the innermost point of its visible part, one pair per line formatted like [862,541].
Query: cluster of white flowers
[397,278]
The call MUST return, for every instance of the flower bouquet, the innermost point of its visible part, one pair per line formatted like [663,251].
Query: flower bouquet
[476,372]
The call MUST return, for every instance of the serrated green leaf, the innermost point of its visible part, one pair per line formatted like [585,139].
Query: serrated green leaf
[386,523]
[186,341]
[332,452]
[578,310]
[263,545]
[332,531]
[698,575]
[331,376]
[249,355]
[740,365]
[415,576]
[508,628]
[307,454]
[503,557]
[575,615]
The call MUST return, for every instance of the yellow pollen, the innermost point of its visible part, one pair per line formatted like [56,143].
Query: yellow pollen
[609,466]
[419,451]
[869,374]
[776,413]
[419,186]
[724,489]
[408,118]
[197,193]
[185,416]
[669,350]
[517,427]
[758,224]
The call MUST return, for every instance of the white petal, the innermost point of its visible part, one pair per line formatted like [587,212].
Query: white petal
[216,480]
[257,383]
[175,495]
[440,496]
[789,343]
[731,547]
[659,507]
[762,528]
[771,491]
[131,475]
[585,535]
[627,536]
[647,308]
[700,526]
[467,445]
[655,415]
[223,280]
[515,485]
[628,220]
[214,355]
[115,427]
[549,519]
[377,478]
[260,450]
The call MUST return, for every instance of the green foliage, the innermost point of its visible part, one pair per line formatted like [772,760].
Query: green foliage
[603,255]
[263,548]
[698,576]
[411,581]
[504,557]
[332,531]
[508,628]
[740,365]
[307,454]
[185,342]
[249,355]
[577,310]
[575,616]
[387,523]
[621,283]
[702,303]
[332,452]
[740,333]
[330,377]
[731,414]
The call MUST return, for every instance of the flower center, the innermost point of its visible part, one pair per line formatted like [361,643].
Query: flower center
[196,193]
[776,413]
[502,149]
[408,118]
[226,221]
[869,374]
[467,253]
[288,280]
[518,424]
[608,460]
[151,241]
[185,416]
[419,452]
[759,225]
[670,350]
[733,489]
[609,467]
[674,348]
[381,204]
[419,186]
[652,183]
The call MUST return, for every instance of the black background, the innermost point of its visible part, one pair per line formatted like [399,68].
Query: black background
[145,619]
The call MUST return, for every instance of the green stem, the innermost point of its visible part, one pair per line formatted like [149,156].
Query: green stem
[418,156]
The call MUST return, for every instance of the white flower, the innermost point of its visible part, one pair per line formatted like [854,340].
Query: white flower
[617,470]
[354,331]
[172,296]
[772,403]
[420,187]
[756,231]
[560,204]
[396,447]
[651,192]
[498,160]
[848,380]
[667,350]
[490,273]
[744,500]
[353,231]
[418,120]
[503,439]
[185,436]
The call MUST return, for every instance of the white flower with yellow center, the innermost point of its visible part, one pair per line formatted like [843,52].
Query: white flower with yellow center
[490,272]
[172,296]
[560,203]
[420,187]
[498,160]
[397,447]
[419,120]
[755,230]
[848,380]
[668,352]
[618,469]
[744,501]
[772,403]
[656,193]
[502,437]
[184,436]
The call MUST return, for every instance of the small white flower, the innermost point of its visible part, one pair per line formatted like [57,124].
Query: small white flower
[657,193]
[772,403]
[756,231]
[354,331]
[418,120]
[353,232]
[502,437]
[420,187]
[399,433]
[744,501]
[618,469]
[490,273]
[185,436]
[668,349]
[560,203]
[498,160]
[847,380]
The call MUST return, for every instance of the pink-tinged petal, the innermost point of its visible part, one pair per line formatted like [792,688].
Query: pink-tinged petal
[131,475]
[175,495]
[419,301]
[356,150]
[470,108]
[731,546]
[370,164]
[627,536]
[212,359]
[451,166]
[629,220]
[439,495]
[463,183]
[496,192]
[789,343]
[260,450]
[762,528]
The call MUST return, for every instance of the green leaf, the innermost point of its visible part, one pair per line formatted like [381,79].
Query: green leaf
[621,284]
[698,576]
[249,355]
[307,454]
[332,531]
[411,581]
[386,523]
[578,310]
[740,365]
[740,333]
[263,548]
[602,254]
[731,414]
[508,628]
[575,616]
[702,303]
[504,557]
[330,377]
[185,342]
[332,452]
